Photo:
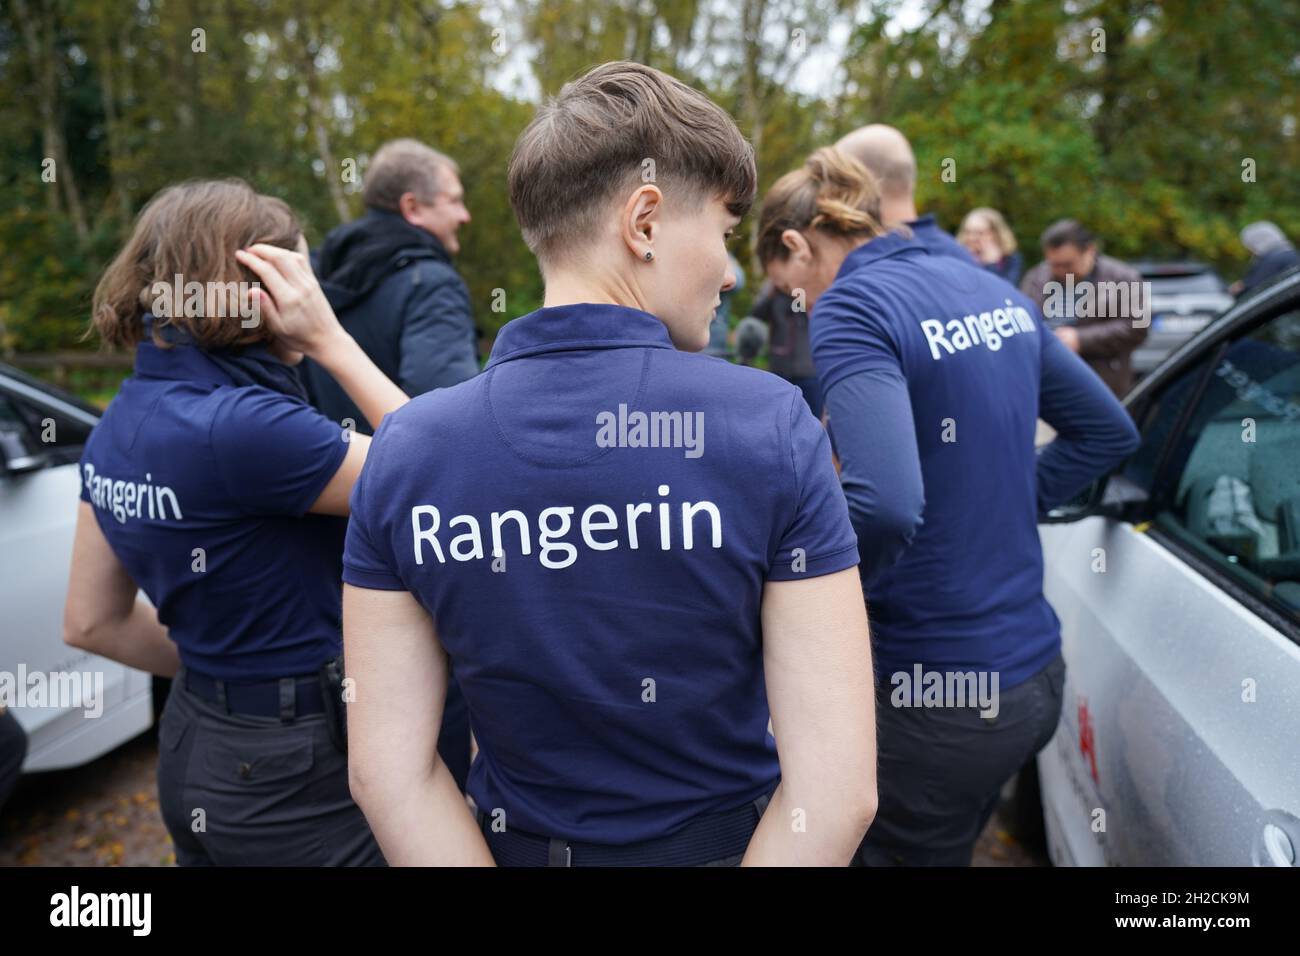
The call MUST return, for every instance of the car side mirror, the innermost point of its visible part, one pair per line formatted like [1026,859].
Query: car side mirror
[1110,496]
[1084,505]
[16,459]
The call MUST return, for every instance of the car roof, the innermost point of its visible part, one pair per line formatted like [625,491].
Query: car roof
[1159,270]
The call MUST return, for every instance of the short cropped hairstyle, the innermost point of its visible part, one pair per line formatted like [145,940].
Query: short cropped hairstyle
[1067,232]
[403,166]
[620,124]
[191,229]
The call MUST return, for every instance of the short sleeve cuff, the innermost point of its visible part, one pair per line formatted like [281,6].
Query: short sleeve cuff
[790,566]
[374,580]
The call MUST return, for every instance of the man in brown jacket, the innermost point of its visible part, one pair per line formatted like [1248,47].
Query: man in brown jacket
[1098,306]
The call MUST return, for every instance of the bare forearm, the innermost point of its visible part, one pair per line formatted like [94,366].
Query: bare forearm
[372,391]
[423,822]
[811,830]
[137,640]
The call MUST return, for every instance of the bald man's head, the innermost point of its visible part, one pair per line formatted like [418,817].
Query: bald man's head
[886,152]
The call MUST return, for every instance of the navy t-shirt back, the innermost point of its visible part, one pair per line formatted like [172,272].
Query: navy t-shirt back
[201,488]
[590,523]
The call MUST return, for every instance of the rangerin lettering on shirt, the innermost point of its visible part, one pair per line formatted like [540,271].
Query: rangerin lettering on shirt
[554,524]
[131,499]
[985,328]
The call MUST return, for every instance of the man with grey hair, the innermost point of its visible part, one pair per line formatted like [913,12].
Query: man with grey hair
[887,153]
[1271,254]
[390,278]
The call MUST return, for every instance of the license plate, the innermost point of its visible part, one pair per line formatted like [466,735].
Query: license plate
[1178,324]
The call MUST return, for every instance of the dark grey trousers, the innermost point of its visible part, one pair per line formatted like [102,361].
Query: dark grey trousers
[237,790]
[13,751]
[941,770]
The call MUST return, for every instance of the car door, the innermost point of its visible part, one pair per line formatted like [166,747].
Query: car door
[1180,739]
[40,442]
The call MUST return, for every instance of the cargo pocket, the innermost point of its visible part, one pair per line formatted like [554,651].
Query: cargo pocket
[255,788]
[253,760]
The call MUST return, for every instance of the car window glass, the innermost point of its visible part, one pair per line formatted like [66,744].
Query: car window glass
[1234,474]
[1158,424]
[53,430]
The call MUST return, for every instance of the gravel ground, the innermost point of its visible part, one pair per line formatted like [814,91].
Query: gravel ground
[106,814]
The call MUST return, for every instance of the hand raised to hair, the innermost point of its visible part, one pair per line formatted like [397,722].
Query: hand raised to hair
[290,299]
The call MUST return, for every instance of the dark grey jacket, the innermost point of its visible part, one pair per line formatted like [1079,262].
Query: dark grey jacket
[789,350]
[1266,265]
[395,291]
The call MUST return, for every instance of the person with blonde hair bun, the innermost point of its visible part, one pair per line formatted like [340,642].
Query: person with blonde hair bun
[990,240]
[935,373]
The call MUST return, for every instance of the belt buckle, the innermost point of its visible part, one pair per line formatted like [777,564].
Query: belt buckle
[559,853]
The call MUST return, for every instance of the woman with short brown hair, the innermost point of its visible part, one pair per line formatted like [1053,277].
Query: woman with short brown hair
[213,487]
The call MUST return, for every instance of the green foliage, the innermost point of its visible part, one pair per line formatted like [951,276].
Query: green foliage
[1144,141]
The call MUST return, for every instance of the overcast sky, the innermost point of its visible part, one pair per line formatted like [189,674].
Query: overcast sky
[815,76]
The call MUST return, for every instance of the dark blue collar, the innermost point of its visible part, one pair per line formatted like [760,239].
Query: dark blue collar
[890,244]
[183,360]
[179,363]
[585,325]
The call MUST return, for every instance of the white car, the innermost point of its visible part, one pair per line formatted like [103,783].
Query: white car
[42,431]
[1178,589]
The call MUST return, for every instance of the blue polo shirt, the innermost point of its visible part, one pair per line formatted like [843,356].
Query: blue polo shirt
[935,373]
[937,242]
[590,523]
[201,488]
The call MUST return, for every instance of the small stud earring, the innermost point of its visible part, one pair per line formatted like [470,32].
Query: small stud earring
[649,255]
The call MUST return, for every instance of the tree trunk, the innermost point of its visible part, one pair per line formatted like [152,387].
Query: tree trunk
[333,174]
[108,98]
[316,109]
[751,25]
[38,34]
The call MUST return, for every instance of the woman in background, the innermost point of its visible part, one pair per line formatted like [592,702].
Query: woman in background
[988,237]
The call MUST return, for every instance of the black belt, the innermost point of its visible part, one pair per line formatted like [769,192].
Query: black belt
[286,697]
[707,838]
